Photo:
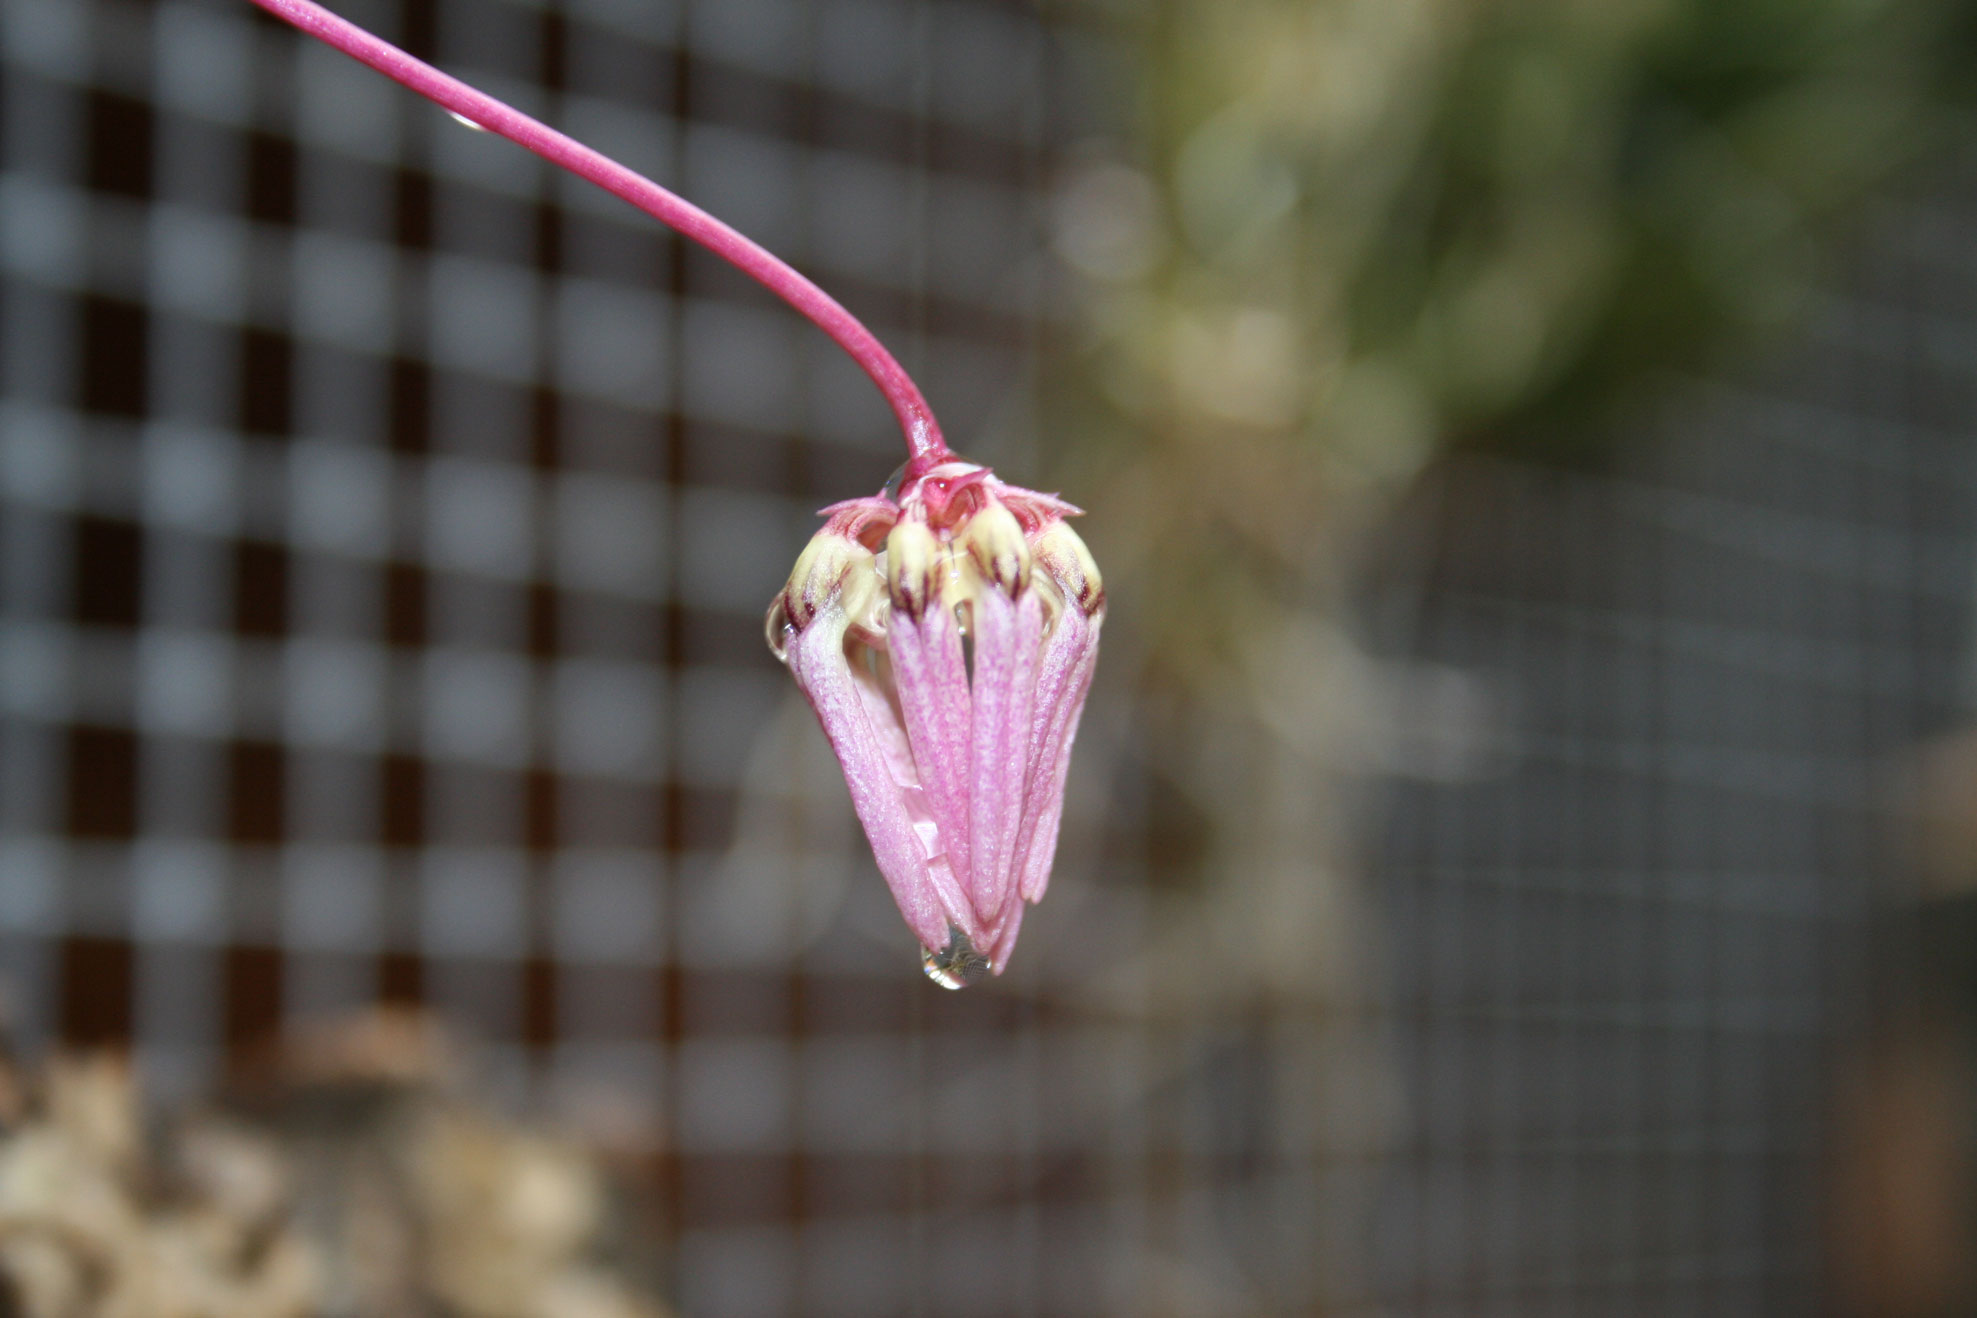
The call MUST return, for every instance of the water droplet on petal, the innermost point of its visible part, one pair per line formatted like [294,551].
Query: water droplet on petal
[777,629]
[964,618]
[957,965]
[894,481]
[459,118]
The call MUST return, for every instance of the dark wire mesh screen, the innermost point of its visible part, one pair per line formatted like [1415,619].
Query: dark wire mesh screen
[1629,921]
[385,527]
[386,523]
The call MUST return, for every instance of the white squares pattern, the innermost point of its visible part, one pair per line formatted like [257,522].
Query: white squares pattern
[476,706]
[610,535]
[480,517]
[332,898]
[473,902]
[606,906]
[606,718]
[185,683]
[178,891]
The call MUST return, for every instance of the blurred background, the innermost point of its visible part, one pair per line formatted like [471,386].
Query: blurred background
[1519,858]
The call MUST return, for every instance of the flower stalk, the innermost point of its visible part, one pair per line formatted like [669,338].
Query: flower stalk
[924,444]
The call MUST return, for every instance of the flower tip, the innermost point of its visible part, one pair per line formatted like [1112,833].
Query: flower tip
[835,568]
[913,565]
[1063,554]
[995,546]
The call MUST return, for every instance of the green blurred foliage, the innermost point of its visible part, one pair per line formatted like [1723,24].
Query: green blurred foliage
[1383,225]
[1336,238]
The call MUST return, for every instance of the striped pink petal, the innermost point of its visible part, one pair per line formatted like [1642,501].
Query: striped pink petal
[1005,942]
[1006,634]
[864,730]
[1070,656]
[931,673]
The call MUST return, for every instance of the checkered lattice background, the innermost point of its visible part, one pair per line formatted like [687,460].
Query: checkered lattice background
[385,527]
[1629,920]
[385,523]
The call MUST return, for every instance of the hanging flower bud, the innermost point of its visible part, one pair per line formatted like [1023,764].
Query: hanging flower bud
[946,638]
[945,633]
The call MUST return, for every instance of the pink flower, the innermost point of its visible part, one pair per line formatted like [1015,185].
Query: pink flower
[946,639]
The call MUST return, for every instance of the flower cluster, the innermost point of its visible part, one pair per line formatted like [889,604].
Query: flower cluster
[946,634]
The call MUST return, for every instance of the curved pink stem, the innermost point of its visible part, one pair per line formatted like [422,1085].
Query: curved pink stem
[924,444]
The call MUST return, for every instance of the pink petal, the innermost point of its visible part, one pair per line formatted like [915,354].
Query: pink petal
[862,519]
[1035,508]
[1005,943]
[931,674]
[1007,636]
[1070,655]
[865,732]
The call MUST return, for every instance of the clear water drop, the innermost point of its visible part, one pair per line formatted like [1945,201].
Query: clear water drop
[938,972]
[777,630]
[459,118]
[964,622]
[894,481]
[957,965]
